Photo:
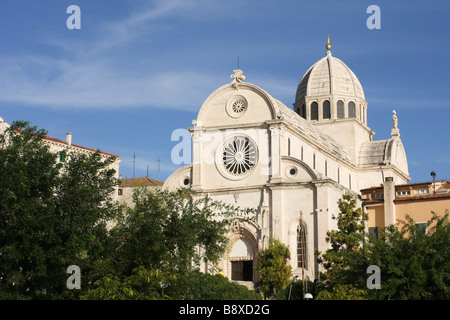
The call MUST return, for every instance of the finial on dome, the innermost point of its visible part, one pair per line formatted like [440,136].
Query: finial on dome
[328,46]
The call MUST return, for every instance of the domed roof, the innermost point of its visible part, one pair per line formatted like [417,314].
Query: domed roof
[329,75]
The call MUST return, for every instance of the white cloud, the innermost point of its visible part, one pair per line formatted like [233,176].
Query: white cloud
[97,86]
[88,76]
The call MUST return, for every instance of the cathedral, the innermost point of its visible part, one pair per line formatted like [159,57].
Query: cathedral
[291,164]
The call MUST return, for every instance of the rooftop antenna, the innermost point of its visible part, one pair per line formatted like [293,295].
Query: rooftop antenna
[147,170]
[134,165]
[238,62]
[159,169]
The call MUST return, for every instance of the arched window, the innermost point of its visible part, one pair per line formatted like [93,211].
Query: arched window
[351,110]
[314,111]
[301,154]
[302,257]
[314,161]
[326,168]
[340,109]
[326,110]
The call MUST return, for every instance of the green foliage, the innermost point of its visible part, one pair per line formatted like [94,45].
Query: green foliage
[50,216]
[343,292]
[146,284]
[143,284]
[274,271]
[159,243]
[173,230]
[55,214]
[344,261]
[414,264]
[196,285]
[294,291]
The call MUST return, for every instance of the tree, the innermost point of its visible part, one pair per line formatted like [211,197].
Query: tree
[343,292]
[172,231]
[414,264]
[274,271]
[146,284]
[159,243]
[51,215]
[344,261]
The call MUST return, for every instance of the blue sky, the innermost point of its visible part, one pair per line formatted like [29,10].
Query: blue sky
[139,69]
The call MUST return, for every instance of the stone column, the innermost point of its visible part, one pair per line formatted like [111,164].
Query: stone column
[389,205]
[275,152]
[196,134]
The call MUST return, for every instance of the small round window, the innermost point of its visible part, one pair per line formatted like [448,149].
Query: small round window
[184,181]
[291,172]
[237,106]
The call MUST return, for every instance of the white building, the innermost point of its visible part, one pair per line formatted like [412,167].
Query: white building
[64,148]
[251,150]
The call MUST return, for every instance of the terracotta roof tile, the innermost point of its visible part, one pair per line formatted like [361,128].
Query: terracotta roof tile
[74,145]
[140,182]
[416,184]
[423,197]
[77,146]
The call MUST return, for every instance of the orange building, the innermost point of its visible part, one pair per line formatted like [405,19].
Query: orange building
[389,203]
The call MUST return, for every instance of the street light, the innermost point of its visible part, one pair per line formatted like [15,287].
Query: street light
[308,296]
[433,174]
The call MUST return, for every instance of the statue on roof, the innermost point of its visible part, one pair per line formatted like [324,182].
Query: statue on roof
[395,119]
[395,132]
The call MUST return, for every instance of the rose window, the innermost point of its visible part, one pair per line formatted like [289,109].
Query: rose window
[239,155]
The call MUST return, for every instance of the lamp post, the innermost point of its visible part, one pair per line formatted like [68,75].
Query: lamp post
[433,174]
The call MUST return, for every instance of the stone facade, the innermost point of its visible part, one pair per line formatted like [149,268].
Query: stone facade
[292,165]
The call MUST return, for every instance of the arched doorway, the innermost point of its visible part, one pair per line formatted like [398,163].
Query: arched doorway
[241,258]
[242,255]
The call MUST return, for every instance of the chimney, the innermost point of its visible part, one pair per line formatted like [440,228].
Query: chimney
[389,205]
[69,138]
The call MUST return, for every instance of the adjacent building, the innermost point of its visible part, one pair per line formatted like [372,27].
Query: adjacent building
[64,147]
[388,204]
[128,185]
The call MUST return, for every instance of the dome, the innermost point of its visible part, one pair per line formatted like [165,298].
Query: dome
[329,76]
